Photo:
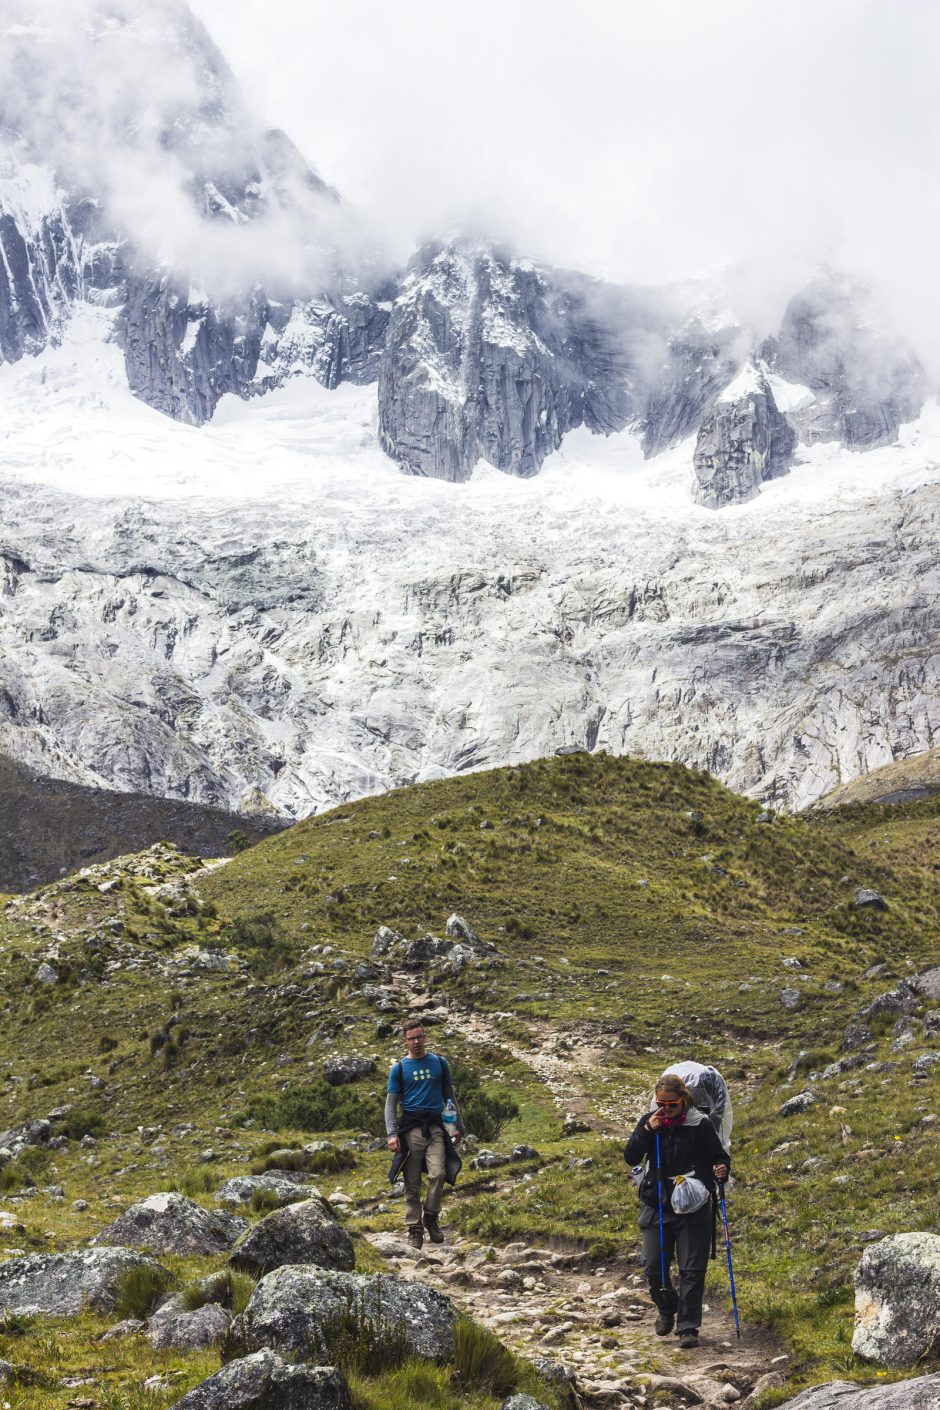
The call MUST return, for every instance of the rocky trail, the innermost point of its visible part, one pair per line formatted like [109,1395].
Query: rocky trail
[591,1317]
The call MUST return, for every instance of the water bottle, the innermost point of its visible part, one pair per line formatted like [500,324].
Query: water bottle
[449,1117]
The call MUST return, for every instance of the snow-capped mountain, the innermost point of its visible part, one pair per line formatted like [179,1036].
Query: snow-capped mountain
[216,582]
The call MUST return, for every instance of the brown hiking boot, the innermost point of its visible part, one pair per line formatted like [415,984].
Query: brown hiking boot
[415,1235]
[435,1232]
[688,1340]
[664,1324]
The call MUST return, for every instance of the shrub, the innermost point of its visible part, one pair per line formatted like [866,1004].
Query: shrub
[317,1107]
[264,1201]
[228,1288]
[484,1113]
[481,1362]
[259,937]
[138,1291]
[196,1182]
[83,1121]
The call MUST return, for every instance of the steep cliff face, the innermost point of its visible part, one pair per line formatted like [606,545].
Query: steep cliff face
[40,264]
[488,357]
[744,440]
[698,362]
[865,383]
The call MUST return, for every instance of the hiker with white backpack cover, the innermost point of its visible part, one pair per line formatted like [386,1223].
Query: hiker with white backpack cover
[709,1094]
[683,1158]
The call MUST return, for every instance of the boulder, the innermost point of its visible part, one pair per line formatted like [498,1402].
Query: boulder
[932,1023]
[384,940]
[426,950]
[299,1233]
[488,1160]
[522,1402]
[7,1373]
[30,1133]
[899,1000]
[927,984]
[287,1187]
[920,1393]
[924,1065]
[339,1071]
[289,1308]
[866,897]
[897,1300]
[856,1035]
[128,1328]
[173,1326]
[171,1223]
[795,1105]
[461,930]
[264,1382]
[63,1284]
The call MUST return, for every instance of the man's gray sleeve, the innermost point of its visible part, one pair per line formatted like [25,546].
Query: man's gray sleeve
[391,1114]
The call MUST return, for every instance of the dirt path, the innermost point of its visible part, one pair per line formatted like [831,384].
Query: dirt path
[593,1317]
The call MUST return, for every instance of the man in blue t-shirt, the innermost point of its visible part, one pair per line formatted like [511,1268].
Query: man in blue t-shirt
[420,1083]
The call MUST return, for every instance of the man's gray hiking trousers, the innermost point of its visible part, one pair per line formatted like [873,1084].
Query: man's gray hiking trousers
[688,1238]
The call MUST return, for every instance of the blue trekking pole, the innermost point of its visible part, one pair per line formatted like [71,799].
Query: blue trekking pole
[662,1249]
[724,1221]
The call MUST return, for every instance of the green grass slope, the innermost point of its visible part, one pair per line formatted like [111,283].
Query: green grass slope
[639,910]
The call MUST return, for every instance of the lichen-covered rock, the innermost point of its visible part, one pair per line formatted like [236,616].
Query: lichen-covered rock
[171,1223]
[62,1284]
[426,950]
[897,1300]
[794,1106]
[173,1326]
[263,1381]
[29,1133]
[339,1071]
[919,1393]
[927,984]
[299,1233]
[864,896]
[289,1308]
[743,441]
[284,1186]
[385,940]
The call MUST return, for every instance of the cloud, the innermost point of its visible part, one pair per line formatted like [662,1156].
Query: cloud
[643,142]
[131,102]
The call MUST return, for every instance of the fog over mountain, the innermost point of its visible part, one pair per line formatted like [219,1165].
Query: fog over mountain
[634,288]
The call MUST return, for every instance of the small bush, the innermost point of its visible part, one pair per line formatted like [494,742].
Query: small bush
[264,1201]
[82,1121]
[260,939]
[139,1290]
[196,1182]
[317,1107]
[228,1288]
[481,1362]
[484,1113]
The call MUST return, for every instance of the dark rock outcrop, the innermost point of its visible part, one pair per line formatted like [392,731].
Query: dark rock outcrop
[743,441]
[698,363]
[340,1071]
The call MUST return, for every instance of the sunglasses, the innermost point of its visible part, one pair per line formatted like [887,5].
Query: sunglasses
[668,1103]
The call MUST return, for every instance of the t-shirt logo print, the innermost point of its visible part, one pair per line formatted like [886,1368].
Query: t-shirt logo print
[421,1074]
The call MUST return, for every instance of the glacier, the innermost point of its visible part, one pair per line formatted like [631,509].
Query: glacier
[263,613]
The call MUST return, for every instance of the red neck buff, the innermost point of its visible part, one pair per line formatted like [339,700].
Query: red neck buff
[676,1120]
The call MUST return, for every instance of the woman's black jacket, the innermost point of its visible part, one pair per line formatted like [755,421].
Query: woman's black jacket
[693,1146]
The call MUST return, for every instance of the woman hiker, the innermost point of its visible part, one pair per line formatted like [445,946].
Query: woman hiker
[687,1145]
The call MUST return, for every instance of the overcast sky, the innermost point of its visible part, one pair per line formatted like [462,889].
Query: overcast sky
[639,140]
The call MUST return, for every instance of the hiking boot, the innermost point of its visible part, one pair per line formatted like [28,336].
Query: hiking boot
[415,1235]
[688,1340]
[435,1232]
[664,1324]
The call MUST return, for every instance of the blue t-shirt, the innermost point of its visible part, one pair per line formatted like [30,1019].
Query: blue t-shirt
[419,1082]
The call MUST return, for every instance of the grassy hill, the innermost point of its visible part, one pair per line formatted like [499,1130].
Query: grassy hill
[51,827]
[640,913]
[904,781]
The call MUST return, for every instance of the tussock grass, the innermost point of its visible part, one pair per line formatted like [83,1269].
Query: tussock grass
[139,1291]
